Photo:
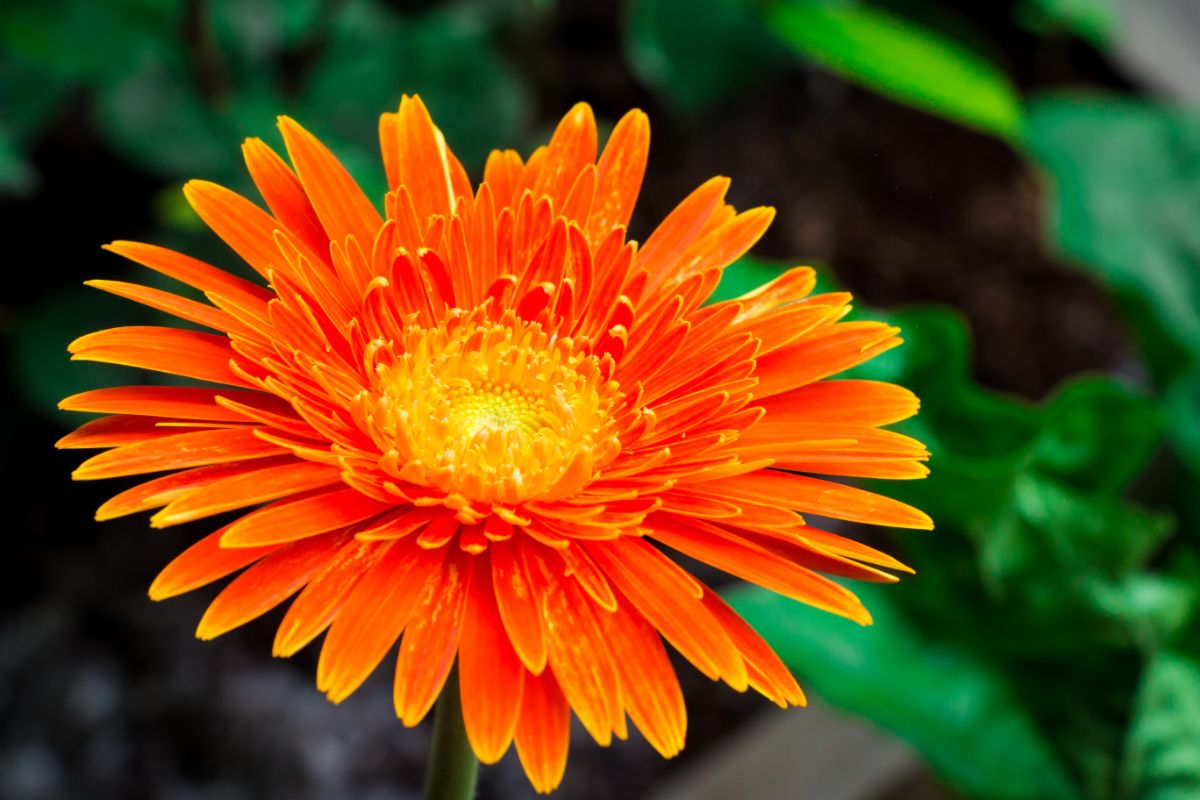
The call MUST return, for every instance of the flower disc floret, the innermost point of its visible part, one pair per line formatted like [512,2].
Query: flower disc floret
[497,412]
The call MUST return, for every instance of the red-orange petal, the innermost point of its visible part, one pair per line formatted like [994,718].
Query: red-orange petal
[180,402]
[648,580]
[543,732]
[204,356]
[373,616]
[339,203]
[491,676]
[316,606]
[649,687]
[203,563]
[431,638]
[517,605]
[619,174]
[297,518]
[578,653]
[246,489]
[194,449]
[267,584]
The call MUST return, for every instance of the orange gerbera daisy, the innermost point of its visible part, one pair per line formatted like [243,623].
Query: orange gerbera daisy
[477,425]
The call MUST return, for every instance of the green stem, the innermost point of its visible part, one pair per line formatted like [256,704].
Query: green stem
[452,766]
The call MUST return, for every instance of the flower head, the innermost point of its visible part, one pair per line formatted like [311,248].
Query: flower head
[479,424]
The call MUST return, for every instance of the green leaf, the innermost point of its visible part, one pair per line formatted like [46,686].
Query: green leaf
[1094,20]
[903,60]
[87,41]
[16,175]
[948,705]
[698,53]
[29,96]
[1125,179]
[1125,199]
[154,117]
[1087,532]
[1162,760]
[1097,434]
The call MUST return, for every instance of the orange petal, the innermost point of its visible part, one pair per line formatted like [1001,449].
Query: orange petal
[247,229]
[203,563]
[192,272]
[571,148]
[578,654]
[828,351]
[267,584]
[619,173]
[160,491]
[891,470]
[284,195]
[713,545]
[415,156]
[251,488]
[581,567]
[852,402]
[719,248]
[172,304]
[515,601]
[337,200]
[501,174]
[204,356]
[649,686]
[373,617]
[491,677]
[825,498]
[297,518]
[180,402]
[117,430]
[664,248]
[768,675]
[431,638]
[543,732]
[183,450]
[317,605]
[792,285]
[647,578]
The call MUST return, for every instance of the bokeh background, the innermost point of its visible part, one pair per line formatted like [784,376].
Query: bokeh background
[1016,184]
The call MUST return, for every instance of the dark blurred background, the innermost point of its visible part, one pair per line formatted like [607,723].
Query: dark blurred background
[1016,184]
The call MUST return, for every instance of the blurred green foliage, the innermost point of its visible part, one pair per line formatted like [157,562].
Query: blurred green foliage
[177,84]
[1125,189]
[699,53]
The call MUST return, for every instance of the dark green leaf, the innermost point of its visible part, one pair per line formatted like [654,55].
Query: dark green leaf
[902,59]
[698,53]
[154,117]
[1162,760]
[940,699]
[1094,20]
[1097,434]
[85,40]
[1125,199]
[16,175]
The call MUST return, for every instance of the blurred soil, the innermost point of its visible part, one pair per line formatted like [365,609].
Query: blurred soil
[106,695]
